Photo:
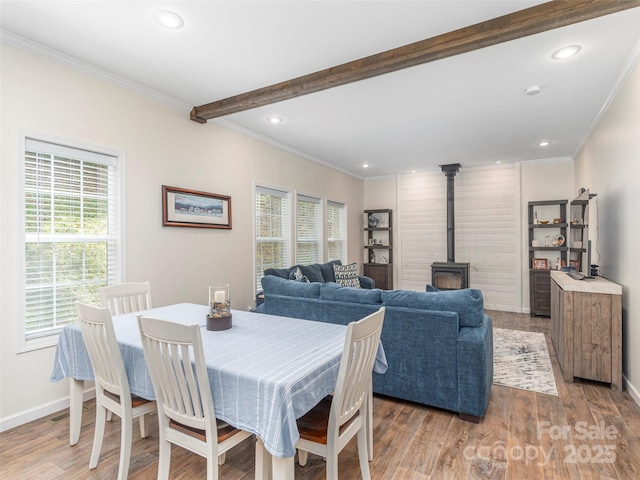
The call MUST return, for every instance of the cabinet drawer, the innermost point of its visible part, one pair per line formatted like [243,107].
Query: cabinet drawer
[381,274]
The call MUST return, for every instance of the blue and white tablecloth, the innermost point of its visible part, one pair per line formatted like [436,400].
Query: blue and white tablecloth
[265,371]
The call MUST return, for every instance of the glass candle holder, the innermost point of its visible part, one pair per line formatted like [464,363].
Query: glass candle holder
[219,301]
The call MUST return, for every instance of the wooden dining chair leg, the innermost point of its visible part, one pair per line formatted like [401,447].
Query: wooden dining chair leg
[126,434]
[363,454]
[98,435]
[303,455]
[222,458]
[368,424]
[164,459]
[144,426]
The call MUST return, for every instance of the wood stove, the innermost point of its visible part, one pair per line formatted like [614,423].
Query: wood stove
[450,275]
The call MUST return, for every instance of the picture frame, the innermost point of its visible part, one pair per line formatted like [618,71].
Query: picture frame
[182,207]
[540,264]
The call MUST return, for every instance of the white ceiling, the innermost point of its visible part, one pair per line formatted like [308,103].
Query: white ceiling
[469,109]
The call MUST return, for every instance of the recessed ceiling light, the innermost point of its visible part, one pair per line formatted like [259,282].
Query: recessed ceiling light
[544,143]
[168,19]
[566,52]
[533,90]
[498,162]
[365,165]
[275,120]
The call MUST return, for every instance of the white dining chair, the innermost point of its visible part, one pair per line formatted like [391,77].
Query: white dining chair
[126,297]
[327,428]
[111,383]
[186,415]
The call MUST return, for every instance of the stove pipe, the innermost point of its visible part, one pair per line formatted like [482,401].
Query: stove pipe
[450,171]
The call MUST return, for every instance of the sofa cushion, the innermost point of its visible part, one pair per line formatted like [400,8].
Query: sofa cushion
[467,303]
[347,275]
[296,274]
[327,270]
[312,272]
[334,292]
[279,272]
[272,285]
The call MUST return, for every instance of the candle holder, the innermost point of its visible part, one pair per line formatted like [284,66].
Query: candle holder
[219,316]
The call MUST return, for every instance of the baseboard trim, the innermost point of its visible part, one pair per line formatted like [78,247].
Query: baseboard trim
[633,391]
[40,412]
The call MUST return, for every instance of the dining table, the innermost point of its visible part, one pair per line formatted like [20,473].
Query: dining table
[265,372]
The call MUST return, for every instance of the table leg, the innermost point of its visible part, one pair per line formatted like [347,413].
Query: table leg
[263,462]
[283,468]
[76,393]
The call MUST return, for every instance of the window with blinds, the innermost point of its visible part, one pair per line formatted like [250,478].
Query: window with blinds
[336,231]
[273,237]
[308,230]
[71,232]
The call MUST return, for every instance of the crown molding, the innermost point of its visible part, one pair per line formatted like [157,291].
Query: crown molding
[40,50]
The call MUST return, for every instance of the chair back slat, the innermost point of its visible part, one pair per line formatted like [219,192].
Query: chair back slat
[358,357]
[175,359]
[102,347]
[126,297]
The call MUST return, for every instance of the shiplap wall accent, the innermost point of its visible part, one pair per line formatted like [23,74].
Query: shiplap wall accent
[422,227]
[487,223]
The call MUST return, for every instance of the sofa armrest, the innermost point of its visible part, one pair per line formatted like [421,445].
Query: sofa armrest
[475,368]
[367,282]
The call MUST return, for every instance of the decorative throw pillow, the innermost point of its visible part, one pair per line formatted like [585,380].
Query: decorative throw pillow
[298,276]
[347,275]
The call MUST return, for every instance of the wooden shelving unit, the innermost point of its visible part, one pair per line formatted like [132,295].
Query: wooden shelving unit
[378,247]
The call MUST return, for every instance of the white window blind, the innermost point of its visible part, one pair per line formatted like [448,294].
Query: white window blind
[273,242]
[71,232]
[308,230]
[486,230]
[336,231]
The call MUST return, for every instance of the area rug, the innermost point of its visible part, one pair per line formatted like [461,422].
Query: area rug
[521,360]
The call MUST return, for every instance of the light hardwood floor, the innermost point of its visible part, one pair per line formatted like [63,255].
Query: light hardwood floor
[587,432]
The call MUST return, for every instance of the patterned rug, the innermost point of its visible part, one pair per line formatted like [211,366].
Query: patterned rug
[521,360]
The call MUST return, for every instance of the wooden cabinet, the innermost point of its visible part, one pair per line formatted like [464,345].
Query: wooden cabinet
[547,247]
[586,328]
[378,247]
[539,292]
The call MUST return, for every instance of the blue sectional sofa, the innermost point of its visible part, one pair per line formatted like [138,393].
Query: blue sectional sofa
[439,345]
[317,272]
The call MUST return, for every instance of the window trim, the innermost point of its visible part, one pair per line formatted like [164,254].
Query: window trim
[36,343]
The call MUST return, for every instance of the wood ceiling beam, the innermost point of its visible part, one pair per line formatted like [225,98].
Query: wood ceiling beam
[537,19]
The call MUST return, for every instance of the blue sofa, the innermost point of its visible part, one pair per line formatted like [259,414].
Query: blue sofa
[317,272]
[439,345]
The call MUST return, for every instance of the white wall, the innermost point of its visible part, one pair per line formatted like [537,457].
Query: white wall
[609,165]
[163,147]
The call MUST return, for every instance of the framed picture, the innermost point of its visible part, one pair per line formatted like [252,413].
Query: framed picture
[540,264]
[575,263]
[191,208]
